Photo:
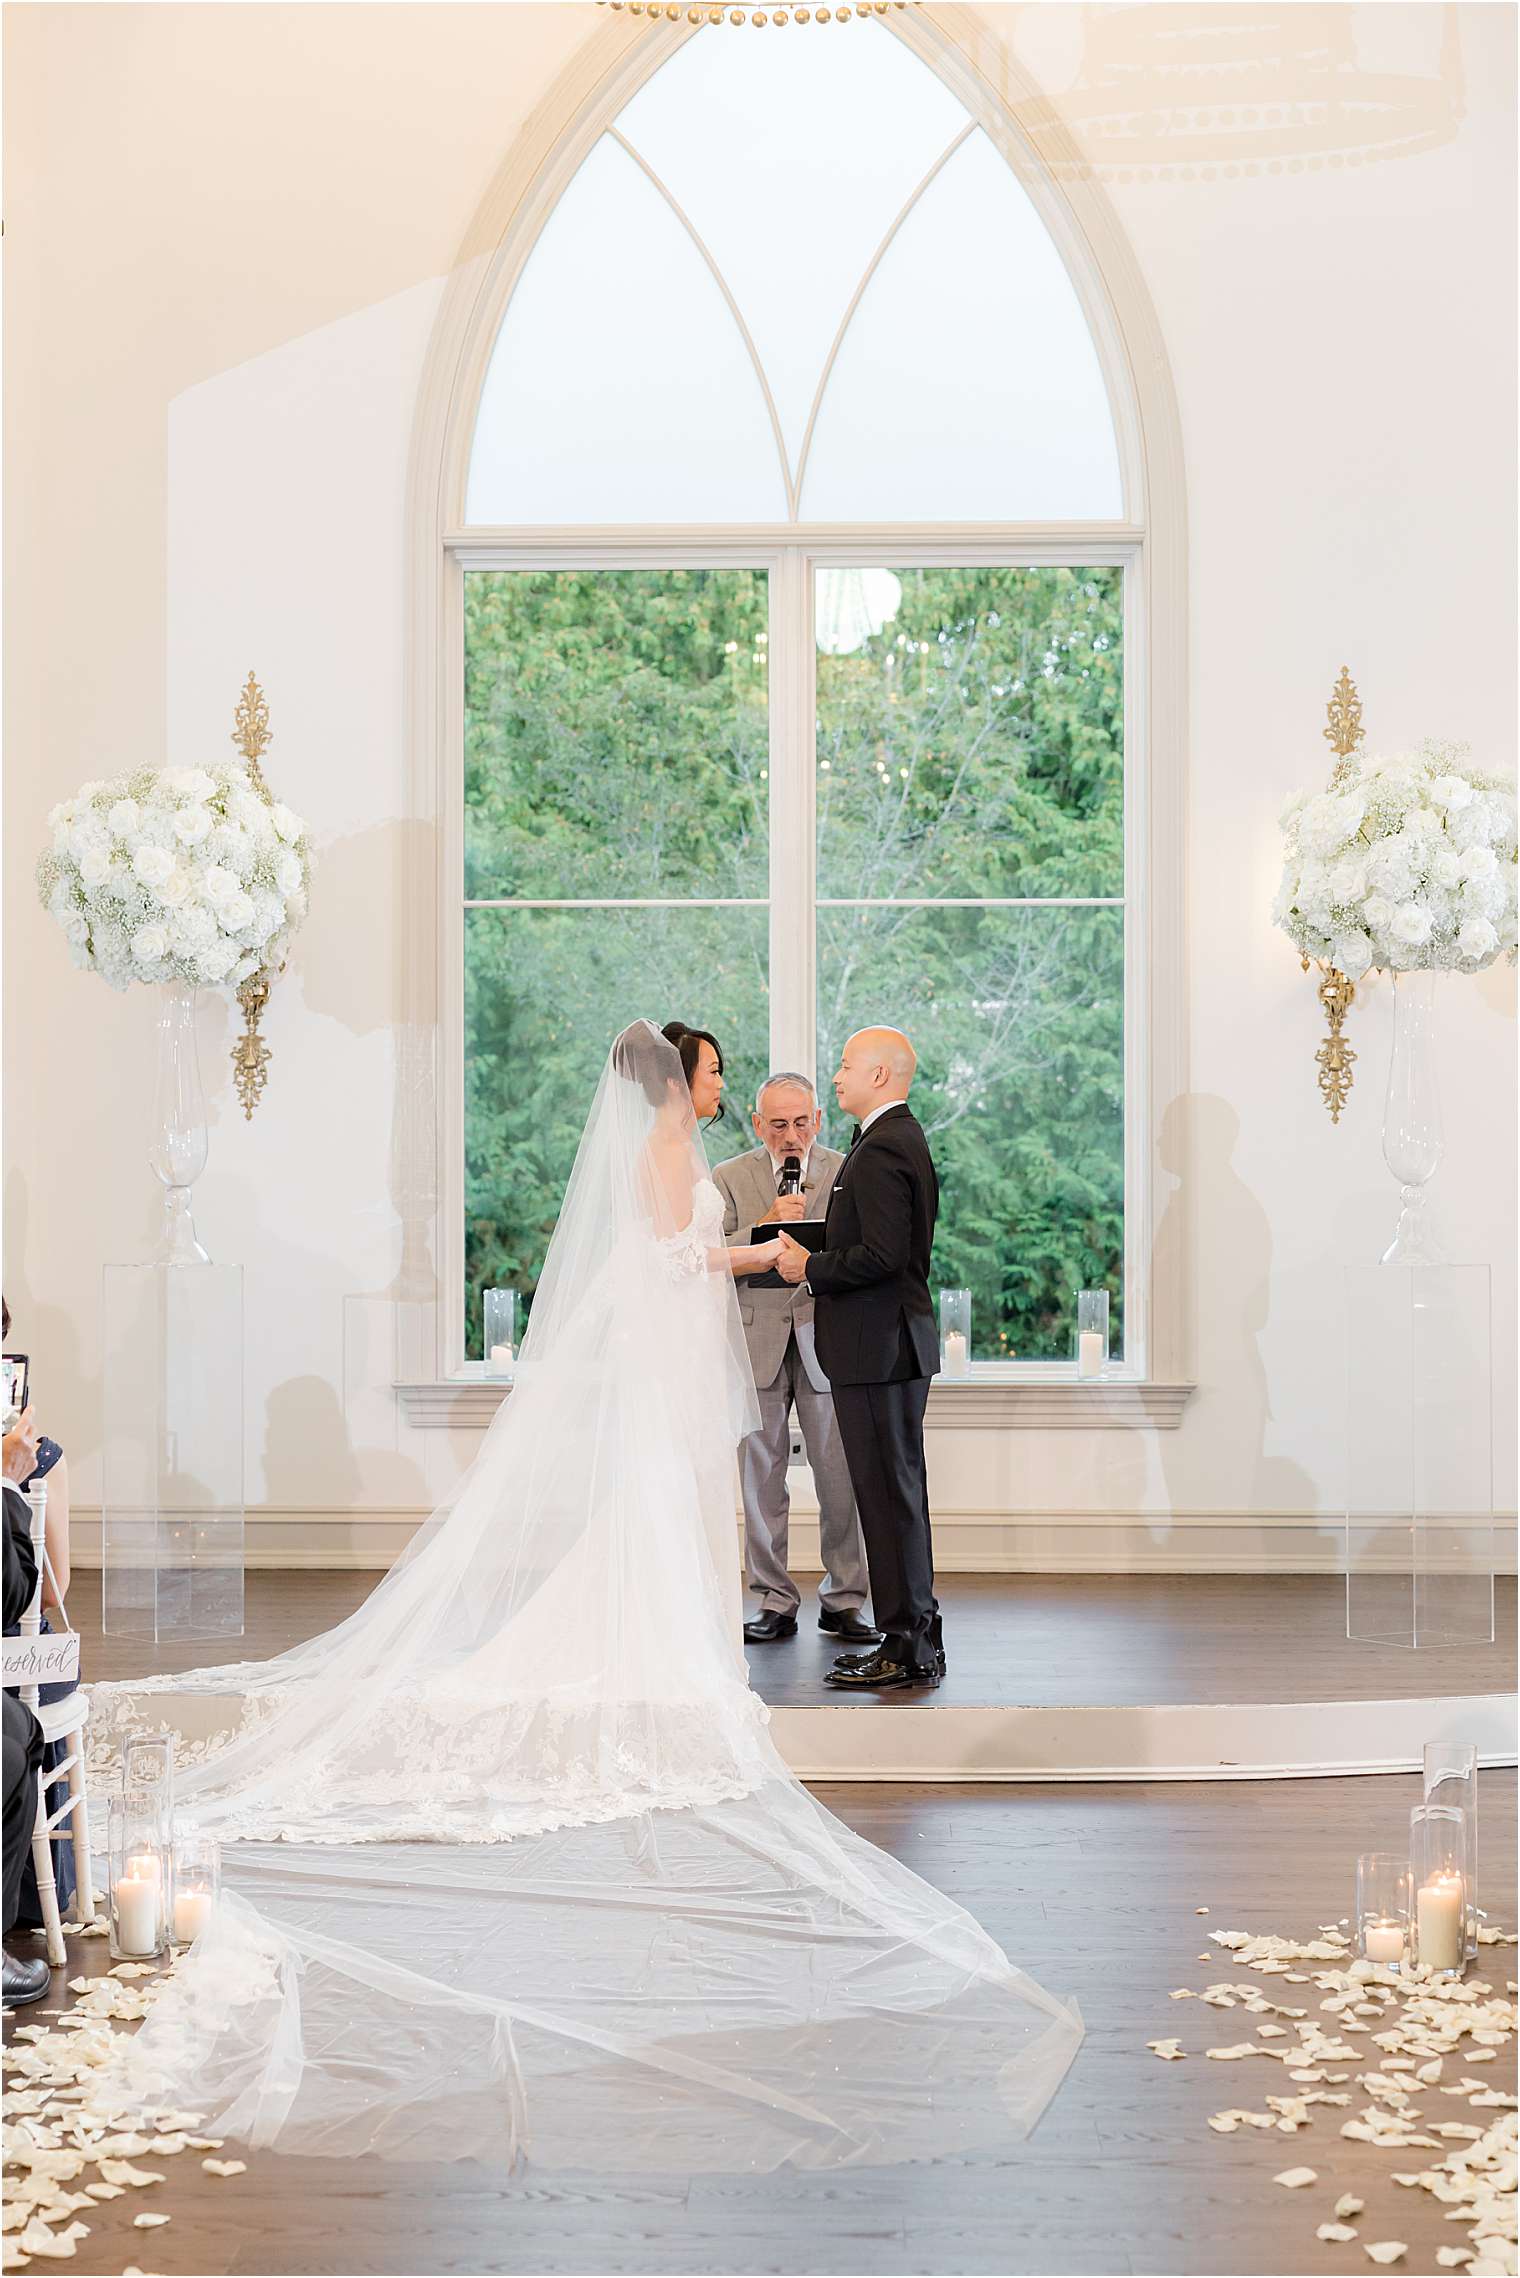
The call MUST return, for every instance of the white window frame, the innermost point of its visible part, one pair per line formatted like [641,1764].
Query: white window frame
[1149,544]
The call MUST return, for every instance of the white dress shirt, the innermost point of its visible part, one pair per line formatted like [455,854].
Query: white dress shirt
[877,1113]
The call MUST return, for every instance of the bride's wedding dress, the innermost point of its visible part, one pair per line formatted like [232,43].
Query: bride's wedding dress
[514,1869]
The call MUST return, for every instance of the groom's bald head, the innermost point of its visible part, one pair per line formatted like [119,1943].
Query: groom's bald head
[876,1069]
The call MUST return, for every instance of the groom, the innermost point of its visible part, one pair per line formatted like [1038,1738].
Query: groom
[876,1337]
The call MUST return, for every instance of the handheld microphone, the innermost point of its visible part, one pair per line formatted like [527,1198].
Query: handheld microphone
[790,1181]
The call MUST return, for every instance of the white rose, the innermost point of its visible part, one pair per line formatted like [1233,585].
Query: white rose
[175,890]
[288,825]
[1377,913]
[149,944]
[153,864]
[1477,862]
[287,872]
[1352,953]
[95,866]
[191,825]
[219,885]
[235,912]
[1451,792]
[1348,881]
[123,818]
[1477,938]
[1411,925]
[76,926]
[1446,869]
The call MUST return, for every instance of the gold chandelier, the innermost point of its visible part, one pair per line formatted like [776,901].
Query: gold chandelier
[675,12]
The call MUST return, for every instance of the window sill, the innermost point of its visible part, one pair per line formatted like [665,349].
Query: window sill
[991,1398]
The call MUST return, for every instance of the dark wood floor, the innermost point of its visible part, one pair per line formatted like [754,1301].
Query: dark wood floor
[1037,1640]
[1091,1889]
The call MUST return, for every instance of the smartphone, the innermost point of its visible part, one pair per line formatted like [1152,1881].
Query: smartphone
[17,1368]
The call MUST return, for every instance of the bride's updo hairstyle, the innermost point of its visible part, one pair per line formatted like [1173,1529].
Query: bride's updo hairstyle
[689,1042]
[642,1056]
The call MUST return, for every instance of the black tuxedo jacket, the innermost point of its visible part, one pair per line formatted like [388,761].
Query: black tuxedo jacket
[874,1321]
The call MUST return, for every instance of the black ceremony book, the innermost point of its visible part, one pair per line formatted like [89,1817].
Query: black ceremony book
[806,1232]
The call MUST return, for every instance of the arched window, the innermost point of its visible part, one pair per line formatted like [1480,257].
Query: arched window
[795,569]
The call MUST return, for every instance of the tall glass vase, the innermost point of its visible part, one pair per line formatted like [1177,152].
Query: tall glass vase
[178,1152]
[1412,1117]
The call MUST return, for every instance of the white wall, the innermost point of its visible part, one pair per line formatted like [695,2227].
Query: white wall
[213,348]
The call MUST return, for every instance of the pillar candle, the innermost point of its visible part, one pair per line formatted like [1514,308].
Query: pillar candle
[1384,1941]
[137,1914]
[191,1908]
[1440,1915]
[1089,1353]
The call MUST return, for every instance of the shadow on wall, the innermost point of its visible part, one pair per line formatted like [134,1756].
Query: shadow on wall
[306,1434]
[1231,1411]
[367,962]
[48,1330]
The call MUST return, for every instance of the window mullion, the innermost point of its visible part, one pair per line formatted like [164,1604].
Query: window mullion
[792,957]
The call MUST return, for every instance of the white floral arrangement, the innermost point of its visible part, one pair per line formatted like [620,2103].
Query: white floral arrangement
[176,874]
[1407,864]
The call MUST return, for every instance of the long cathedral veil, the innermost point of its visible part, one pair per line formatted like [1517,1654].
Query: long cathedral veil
[514,1869]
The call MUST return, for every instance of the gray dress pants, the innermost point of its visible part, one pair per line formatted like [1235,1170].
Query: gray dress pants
[767,1504]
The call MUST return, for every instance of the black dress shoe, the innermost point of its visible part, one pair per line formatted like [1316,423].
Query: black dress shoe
[766,1628]
[880,1674]
[856,1660]
[850,1625]
[24,1982]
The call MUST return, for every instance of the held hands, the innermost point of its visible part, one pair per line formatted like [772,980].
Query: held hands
[793,1260]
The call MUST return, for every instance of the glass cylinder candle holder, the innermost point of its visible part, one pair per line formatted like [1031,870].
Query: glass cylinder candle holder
[1438,1872]
[499,1343]
[1451,1778]
[147,1762]
[1383,1928]
[955,1332]
[1092,1332]
[197,1883]
[140,1867]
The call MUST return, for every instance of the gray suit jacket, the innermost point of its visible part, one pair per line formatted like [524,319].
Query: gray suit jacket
[747,1184]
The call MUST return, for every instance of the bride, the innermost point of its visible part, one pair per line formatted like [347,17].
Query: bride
[515,1870]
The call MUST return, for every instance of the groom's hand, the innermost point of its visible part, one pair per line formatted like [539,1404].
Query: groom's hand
[792,1263]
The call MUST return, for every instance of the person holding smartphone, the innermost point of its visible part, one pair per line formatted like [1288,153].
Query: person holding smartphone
[25,1457]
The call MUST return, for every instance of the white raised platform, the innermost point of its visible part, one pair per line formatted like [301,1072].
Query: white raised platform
[912,1739]
[916,1739]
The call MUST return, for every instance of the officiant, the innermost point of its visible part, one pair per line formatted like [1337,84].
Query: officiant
[789,1176]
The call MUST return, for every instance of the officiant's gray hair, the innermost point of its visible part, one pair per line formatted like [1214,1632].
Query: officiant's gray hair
[785,1076]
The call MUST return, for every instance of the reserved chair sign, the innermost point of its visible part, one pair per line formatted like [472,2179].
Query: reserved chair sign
[40,1660]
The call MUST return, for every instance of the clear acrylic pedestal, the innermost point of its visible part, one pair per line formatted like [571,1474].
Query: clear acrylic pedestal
[1419,1479]
[172,1501]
